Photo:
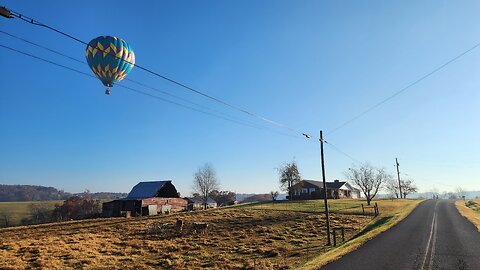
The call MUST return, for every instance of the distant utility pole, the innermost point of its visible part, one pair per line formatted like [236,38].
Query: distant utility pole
[398,175]
[324,188]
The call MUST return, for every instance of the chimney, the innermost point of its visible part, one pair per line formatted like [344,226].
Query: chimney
[336,181]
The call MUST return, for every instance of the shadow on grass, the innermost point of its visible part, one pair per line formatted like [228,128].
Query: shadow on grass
[378,223]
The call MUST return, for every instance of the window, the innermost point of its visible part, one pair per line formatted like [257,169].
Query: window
[304,190]
[311,190]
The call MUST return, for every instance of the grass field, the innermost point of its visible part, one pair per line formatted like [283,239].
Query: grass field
[470,209]
[19,210]
[254,236]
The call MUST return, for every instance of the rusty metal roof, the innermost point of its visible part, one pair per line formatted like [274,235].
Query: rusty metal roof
[145,190]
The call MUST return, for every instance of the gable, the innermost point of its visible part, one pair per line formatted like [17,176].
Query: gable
[151,189]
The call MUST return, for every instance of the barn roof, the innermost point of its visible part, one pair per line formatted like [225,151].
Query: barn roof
[148,189]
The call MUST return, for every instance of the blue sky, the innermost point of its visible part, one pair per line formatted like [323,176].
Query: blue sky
[309,64]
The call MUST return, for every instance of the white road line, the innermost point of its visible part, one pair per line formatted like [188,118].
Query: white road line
[432,228]
[432,252]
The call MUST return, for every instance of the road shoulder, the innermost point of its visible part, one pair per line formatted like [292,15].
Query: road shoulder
[468,213]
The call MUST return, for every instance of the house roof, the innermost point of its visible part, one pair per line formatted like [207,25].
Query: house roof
[199,200]
[330,185]
[148,189]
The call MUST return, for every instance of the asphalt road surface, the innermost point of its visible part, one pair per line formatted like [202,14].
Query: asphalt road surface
[433,236]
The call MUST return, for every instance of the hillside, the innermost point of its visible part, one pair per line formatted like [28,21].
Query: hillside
[28,193]
[279,235]
[23,193]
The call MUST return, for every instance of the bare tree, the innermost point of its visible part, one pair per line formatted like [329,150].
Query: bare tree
[205,181]
[368,179]
[289,176]
[391,186]
[461,193]
[274,195]
[408,188]
[6,219]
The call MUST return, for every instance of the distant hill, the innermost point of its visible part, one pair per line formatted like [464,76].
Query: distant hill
[443,195]
[102,195]
[258,198]
[21,193]
[24,193]
[252,197]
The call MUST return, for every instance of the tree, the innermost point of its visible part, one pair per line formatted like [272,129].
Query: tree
[6,219]
[77,208]
[289,176]
[205,181]
[391,186]
[461,193]
[408,188]
[40,214]
[368,179]
[223,198]
[274,195]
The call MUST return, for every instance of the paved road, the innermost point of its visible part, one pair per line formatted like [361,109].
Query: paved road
[433,236]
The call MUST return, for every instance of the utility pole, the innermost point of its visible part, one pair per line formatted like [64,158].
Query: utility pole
[324,188]
[398,175]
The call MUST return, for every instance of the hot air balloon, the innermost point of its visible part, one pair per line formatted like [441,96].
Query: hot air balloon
[110,58]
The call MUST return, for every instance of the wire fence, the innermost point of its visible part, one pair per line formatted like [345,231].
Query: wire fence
[317,206]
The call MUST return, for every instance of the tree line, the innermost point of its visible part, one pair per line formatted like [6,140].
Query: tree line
[25,193]
[22,193]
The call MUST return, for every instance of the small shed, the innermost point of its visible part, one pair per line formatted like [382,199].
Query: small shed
[147,198]
[196,203]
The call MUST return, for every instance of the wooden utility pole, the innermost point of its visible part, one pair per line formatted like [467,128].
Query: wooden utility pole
[324,188]
[398,175]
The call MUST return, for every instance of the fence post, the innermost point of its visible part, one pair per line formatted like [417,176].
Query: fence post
[307,250]
[363,209]
[343,234]
[376,206]
[334,237]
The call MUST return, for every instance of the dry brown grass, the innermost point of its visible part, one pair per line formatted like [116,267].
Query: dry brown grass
[237,238]
[470,209]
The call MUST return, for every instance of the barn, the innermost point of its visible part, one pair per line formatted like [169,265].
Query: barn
[146,198]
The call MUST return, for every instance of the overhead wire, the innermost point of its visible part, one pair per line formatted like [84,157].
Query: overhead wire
[142,84]
[238,108]
[373,107]
[143,92]
[182,85]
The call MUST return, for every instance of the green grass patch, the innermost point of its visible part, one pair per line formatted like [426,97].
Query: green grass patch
[16,211]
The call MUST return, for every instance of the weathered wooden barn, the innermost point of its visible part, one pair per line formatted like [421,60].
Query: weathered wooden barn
[147,198]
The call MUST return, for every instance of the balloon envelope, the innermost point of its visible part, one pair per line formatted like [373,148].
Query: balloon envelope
[110,58]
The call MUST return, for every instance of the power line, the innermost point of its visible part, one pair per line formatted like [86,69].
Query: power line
[182,85]
[342,152]
[134,81]
[145,93]
[403,89]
